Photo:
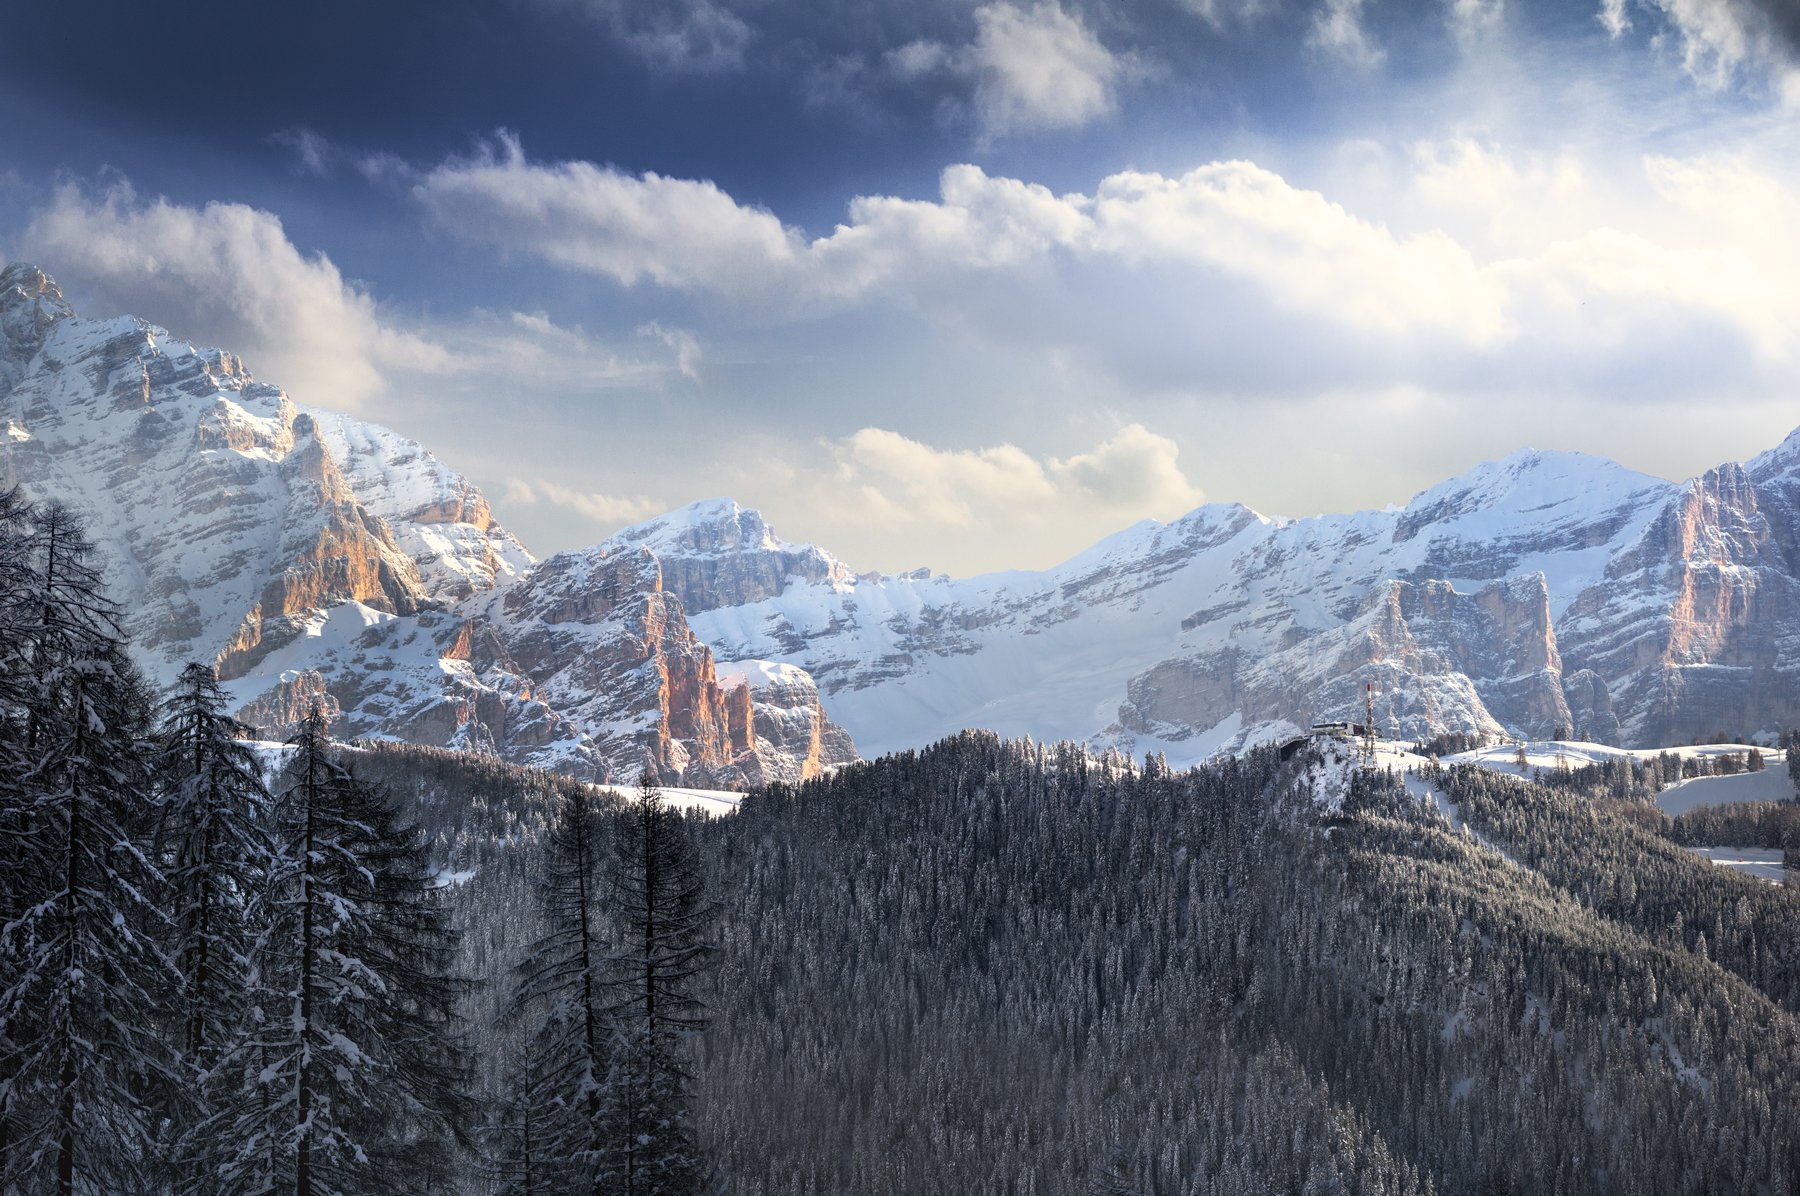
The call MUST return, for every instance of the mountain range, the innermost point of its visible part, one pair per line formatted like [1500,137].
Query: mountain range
[311,555]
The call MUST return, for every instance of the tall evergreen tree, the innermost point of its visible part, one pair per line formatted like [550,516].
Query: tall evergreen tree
[355,1079]
[558,1100]
[17,584]
[214,848]
[85,972]
[660,949]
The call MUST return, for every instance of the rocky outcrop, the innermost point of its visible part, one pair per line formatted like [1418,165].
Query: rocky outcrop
[790,738]
[1432,659]
[1591,713]
[1696,624]
[279,711]
[717,553]
[336,551]
[604,643]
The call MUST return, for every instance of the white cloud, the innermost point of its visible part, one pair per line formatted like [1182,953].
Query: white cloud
[1233,218]
[1721,38]
[891,480]
[919,59]
[1027,69]
[313,153]
[1039,68]
[675,232]
[1612,17]
[1337,29]
[1491,254]
[607,510]
[228,273]
[513,347]
[695,36]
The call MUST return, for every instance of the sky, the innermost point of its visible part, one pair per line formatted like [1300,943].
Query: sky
[958,284]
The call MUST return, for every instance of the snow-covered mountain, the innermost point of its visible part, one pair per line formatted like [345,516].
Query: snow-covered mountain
[1544,590]
[310,554]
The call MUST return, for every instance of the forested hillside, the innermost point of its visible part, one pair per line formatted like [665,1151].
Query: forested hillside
[995,967]
[987,966]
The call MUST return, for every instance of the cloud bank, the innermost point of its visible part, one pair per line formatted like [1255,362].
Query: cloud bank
[1506,271]
[227,274]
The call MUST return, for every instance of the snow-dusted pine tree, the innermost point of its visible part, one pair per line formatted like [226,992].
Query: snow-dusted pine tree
[214,849]
[657,894]
[554,1139]
[355,1079]
[85,972]
[17,584]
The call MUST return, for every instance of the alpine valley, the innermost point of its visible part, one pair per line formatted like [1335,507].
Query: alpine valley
[309,554]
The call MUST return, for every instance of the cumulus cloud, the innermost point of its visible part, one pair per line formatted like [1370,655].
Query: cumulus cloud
[1026,70]
[1216,268]
[606,510]
[696,36]
[675,232]
[1233,218]
[230,275]
[1039,68]
[227,274]
[893,480]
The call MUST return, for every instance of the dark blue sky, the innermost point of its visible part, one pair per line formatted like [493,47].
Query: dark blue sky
[1096,255]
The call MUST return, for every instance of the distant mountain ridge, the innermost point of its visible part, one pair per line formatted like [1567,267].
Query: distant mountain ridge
[1544,590]
[313,555]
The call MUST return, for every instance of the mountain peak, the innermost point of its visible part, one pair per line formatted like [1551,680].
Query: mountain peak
[1529,484]
[30,302]
[708,527]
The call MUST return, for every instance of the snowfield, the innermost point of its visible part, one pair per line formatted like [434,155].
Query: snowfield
[1757,861]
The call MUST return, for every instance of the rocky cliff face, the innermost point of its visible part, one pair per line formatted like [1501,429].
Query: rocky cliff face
[1697,624]
[789,735]
[311,556]
[228,522]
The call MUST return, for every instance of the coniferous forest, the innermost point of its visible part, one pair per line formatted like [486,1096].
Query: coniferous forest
[985,966]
